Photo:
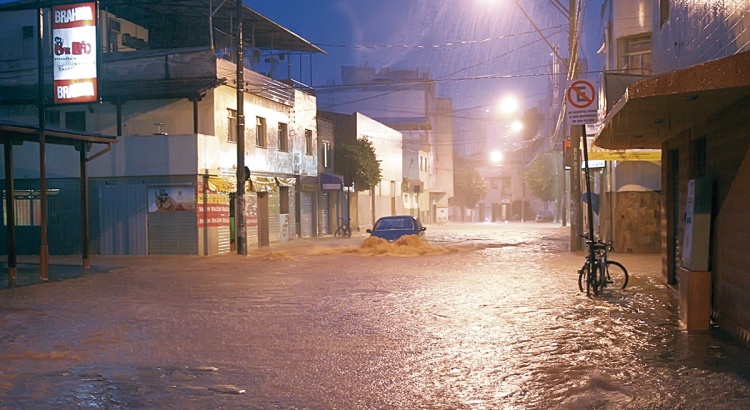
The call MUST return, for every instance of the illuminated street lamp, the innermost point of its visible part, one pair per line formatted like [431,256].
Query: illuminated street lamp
[516,126]
[509,105]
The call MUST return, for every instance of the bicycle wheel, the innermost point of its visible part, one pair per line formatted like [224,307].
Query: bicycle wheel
[339,232]
[592,284]
[583,276]
[616,275]
[347,232]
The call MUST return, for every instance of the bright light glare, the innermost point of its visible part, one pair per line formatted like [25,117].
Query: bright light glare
[509,105]
[496,156]
[516,126]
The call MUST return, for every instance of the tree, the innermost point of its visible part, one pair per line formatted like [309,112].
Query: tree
[542,178]
[357,162]
[470,188]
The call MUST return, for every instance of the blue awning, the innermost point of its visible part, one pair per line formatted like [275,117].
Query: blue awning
[331,182]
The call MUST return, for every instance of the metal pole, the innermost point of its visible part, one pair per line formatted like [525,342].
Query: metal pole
[576,214]
[84,210]
[43,247]
[10,210]
[239,214]
[589,195]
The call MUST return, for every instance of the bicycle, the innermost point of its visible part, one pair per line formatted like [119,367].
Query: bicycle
[603,271]
[344,230]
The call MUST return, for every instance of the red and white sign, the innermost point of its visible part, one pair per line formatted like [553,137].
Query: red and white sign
[582,102]
[74,53]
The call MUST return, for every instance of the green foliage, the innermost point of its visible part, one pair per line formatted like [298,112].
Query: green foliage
[470,187]
[358,164]
[542,178]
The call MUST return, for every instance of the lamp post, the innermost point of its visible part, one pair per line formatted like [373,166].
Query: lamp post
[576,214]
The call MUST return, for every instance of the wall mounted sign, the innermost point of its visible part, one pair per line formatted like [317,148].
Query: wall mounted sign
[74,53]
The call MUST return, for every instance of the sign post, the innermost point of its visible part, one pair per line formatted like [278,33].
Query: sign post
[582,102]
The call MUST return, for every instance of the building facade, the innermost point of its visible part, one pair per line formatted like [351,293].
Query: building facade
[406,101]
[169,185]
[364,208]
[695,109]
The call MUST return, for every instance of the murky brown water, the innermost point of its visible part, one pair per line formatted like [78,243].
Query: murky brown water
[483,317]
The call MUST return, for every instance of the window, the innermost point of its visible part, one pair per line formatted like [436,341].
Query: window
[326,154]
[635,54]
[663,12]
[308,142]
[232,125]
[75,120]
[53,118]
[283,137]
[260,132]
[28,207]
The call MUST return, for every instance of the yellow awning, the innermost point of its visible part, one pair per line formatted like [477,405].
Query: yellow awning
[262,184]
[222,184]
[630,155]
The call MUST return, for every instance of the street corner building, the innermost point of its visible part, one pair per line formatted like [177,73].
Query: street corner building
[188,117]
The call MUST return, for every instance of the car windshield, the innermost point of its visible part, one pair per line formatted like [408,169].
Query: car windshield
[394,223]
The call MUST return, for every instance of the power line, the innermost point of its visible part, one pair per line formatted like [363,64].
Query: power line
[435,46]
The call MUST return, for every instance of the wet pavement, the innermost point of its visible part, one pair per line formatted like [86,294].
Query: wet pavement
[484,316]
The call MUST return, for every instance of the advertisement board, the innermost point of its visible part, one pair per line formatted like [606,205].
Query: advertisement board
[74,53]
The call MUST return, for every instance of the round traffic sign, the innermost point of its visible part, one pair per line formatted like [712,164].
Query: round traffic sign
[581,94]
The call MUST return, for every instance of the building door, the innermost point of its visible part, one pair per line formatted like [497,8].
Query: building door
[264,233]
[306,215]
[673,239]
[123,211]
[325,214]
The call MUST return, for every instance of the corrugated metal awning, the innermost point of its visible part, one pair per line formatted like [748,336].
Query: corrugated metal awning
[658,108]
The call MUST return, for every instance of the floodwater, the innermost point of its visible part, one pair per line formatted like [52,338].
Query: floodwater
[478,317]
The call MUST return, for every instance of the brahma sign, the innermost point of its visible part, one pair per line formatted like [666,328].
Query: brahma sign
[74,51]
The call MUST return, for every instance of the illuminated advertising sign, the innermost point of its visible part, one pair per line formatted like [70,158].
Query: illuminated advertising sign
[74,53]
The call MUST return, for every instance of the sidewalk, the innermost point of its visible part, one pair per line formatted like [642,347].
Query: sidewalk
[61,267]
[27,273]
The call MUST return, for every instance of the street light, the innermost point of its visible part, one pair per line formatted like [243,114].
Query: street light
[509,105]
[516,126]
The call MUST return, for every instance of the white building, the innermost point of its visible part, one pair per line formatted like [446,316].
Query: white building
[168,91]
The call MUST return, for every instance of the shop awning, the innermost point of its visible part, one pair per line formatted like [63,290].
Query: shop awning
[331,182]
[262,184]
[286,181]
[629,155]
[222,184]
[658,108]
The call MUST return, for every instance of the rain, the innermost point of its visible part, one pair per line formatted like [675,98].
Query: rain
[484,315]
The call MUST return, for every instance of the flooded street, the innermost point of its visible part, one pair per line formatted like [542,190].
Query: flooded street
[485,317]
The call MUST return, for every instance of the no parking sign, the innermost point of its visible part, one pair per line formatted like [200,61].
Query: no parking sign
[582,102]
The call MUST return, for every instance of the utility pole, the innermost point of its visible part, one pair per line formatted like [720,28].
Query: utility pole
[576,214]
[239,202]
[43,247]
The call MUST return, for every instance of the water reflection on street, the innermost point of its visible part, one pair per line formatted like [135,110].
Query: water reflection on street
[479,317]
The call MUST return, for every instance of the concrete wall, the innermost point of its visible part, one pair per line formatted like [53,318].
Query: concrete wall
[699,31]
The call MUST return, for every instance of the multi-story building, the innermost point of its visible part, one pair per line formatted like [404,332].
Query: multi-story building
[628,185]
[696,109]
[168,90]
[364,208]
[405,100]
